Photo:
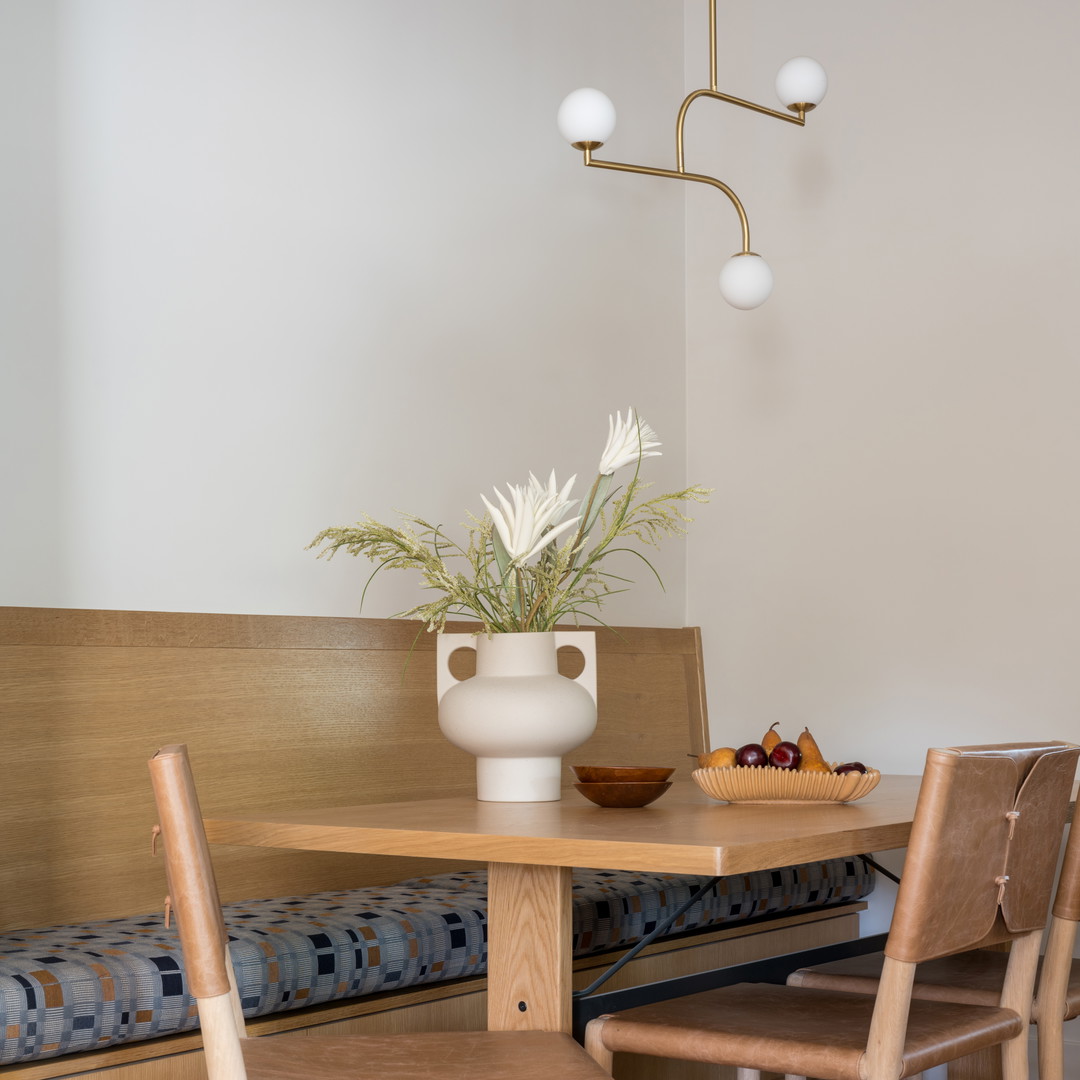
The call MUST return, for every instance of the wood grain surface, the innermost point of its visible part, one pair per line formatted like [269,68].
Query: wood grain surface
[683,832]
[531,846]
[293,711]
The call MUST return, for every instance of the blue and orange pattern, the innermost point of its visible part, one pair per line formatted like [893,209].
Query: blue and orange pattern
[72,988]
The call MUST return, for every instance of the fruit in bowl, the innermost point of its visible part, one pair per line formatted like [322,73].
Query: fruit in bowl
[752,755]
[721,758]
[785,755]
[812,758]
[802,756]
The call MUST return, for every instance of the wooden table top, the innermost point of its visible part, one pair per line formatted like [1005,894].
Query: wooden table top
[683,832]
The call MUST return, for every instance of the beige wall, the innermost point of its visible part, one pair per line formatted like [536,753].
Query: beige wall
[268,265]
[273,264]
[892,555]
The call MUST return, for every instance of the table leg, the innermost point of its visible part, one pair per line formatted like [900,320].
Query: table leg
[529,948]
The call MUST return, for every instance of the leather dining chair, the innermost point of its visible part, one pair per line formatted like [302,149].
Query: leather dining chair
[976,977]
[230,1055]
[977,872]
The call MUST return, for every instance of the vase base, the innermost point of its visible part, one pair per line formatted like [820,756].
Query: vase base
[528,779]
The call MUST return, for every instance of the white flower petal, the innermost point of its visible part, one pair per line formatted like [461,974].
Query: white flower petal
[499,522]
[508,510]
[524,534]
[531,515]
[548,537]
[628,441]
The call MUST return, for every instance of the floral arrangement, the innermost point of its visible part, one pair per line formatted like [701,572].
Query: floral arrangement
[527,564]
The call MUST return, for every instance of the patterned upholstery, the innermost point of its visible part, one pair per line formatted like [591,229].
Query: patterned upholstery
[71,988]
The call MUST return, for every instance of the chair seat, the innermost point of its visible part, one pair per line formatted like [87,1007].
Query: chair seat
[785,1029]
[974,978]
[470,1055]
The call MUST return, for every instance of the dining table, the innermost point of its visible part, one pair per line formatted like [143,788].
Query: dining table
[532,847]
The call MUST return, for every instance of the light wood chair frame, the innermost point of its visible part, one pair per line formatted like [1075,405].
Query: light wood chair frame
[231,1055]
[1014,916]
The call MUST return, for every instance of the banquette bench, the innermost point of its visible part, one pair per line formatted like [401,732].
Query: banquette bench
[295,711]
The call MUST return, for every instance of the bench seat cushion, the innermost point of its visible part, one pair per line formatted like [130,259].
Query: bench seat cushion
[72,988]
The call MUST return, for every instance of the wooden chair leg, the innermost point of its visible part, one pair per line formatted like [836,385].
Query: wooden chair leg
[1016,994]
[1014,1058]
[1053,988]
[594,1044]
[885,1042]
[224,1059]
[1052,1052]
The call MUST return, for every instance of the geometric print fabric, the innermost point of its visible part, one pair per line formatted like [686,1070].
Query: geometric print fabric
[72,988]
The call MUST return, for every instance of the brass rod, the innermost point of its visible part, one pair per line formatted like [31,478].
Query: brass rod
[712,43]
[699,178]
[800,120]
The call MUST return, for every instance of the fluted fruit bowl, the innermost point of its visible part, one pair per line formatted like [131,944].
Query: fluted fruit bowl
[766,784]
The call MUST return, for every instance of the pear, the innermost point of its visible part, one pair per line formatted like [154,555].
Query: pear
[721,758]
[812,759]
[770,738]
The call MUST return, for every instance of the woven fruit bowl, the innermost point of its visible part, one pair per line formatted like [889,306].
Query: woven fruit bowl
[762,784]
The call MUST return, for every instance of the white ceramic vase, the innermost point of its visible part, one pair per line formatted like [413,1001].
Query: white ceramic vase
[517,715]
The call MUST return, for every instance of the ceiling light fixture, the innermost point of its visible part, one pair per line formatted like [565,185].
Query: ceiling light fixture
[587,120]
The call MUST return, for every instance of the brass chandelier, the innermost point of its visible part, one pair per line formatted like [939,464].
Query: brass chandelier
[587,120]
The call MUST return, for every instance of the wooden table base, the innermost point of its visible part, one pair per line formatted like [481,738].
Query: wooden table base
[529,947]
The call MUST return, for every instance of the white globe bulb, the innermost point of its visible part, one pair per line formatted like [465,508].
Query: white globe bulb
[801,81]
[586,116]
[746,281]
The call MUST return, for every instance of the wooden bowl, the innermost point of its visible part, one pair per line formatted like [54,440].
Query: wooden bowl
[620,774]
[622,794]
[763,784]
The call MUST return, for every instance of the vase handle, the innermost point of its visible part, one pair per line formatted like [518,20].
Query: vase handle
[445,646]
[585,642]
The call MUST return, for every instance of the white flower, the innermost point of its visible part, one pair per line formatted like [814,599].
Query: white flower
[532,517]
[563,502]
[627,441]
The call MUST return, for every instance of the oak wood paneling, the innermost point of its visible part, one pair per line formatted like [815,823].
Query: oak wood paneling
[294,711]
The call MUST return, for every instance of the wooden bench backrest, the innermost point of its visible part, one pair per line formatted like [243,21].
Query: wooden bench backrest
[282,710]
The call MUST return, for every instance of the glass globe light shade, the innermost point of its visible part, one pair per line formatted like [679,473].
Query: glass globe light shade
[801,81]
[586,116]
[746,281]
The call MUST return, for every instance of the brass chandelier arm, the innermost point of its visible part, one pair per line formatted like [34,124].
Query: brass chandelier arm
[586,120]
[699,178]
[799,119]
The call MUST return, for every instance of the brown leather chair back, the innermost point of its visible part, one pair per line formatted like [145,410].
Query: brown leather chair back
[983,848]
[1042,806]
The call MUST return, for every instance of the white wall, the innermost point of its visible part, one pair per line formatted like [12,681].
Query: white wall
[268,265]
[891,557]
[891,554]
[276,264]
[32,495]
